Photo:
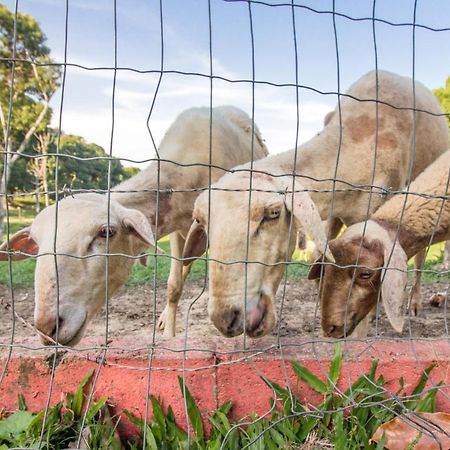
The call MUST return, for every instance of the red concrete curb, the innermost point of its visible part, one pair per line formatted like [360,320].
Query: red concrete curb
[220,372]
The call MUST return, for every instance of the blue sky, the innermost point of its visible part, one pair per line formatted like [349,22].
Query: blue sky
[87,108]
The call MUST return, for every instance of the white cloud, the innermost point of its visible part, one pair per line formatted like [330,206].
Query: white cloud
[275,110]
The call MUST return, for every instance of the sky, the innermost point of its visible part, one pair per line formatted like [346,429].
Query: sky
[332,53]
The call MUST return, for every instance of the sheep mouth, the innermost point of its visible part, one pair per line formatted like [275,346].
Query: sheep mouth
[78,335]
[337,330]
[259,330]
[64,338]
[267,321]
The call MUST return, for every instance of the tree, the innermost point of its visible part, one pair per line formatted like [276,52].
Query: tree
[38,166]
[28,80]
[83,166]
[443,95]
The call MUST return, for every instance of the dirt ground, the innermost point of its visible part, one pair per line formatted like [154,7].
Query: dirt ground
[131,314]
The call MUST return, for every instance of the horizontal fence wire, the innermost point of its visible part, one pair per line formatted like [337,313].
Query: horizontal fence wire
[126,340]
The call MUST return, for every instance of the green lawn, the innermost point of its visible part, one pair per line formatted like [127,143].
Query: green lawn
[21,272]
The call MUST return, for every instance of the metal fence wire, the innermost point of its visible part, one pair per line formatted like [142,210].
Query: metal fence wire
[307,40]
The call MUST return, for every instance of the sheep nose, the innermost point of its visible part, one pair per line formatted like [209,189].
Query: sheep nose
[332,330]
[228,323]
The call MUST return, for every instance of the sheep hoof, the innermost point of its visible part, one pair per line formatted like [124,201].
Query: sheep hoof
[415,308]
[438,299]
[372,316]
[415,304]
[161,324]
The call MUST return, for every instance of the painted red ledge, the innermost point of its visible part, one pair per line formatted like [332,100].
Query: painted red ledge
[215,371]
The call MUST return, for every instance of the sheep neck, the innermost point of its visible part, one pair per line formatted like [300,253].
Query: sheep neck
[148,192]
[313,164]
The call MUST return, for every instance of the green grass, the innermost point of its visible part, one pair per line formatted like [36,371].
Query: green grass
[62,425]
[23,271]
[345,421]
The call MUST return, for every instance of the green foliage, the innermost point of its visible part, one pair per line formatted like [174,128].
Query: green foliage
[81,165]
[84,165]
[145,274]
[62,425]
[193,412]
[443,95]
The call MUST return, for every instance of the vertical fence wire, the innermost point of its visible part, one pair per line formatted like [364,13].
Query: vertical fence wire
[54,357]
[150,353]
[5,163]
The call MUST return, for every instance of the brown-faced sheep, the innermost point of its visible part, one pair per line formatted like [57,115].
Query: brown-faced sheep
[371,257]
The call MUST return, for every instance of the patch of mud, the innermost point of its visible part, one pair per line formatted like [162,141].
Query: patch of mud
[133,312]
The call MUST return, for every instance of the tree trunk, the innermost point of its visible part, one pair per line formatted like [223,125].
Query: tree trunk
[45,182]
[3,191]
[37,196]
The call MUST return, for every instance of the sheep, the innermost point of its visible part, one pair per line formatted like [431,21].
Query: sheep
[371,257]
[263,231]
[156,202]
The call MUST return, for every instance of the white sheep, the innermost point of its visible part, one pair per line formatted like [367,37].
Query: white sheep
[190,158]
[371,257]
[373,138]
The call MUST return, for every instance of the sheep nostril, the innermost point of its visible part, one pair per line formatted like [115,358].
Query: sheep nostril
[57,327]
[330,329]
[234,319]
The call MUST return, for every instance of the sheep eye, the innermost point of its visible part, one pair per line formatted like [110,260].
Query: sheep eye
[271,214]
[106,231]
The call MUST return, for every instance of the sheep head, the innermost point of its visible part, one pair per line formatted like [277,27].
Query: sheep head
[71,283]
[250,239]
[368,264]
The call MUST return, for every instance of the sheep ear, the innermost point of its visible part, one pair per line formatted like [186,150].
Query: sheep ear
[196,243]
[301,240]
[394,278]
[316,268]
[328,117]
[306,213]
[19,242]
[139,225]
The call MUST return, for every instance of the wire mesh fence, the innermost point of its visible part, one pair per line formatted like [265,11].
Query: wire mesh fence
[144,274]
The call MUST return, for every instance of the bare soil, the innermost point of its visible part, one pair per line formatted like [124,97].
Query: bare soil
[131,314]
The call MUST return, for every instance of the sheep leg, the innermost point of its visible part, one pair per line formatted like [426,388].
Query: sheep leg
[167,319]
[440,298]
[446,260]
[415,294]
